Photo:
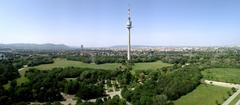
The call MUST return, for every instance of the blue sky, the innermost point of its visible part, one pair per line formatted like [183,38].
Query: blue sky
[96,23]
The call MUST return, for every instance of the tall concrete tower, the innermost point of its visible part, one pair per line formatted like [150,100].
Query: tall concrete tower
[129,26]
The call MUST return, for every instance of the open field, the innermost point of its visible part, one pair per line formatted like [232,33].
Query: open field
[204,95]
[108,66]
[22,79]
[19,80]
[229,75]
[150,65]
[235,100]
[66,63]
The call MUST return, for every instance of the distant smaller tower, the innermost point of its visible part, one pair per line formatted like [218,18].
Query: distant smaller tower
[82,47]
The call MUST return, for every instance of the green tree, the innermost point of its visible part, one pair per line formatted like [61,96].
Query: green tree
[161,100]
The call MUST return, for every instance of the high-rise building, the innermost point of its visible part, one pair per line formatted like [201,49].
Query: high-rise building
[129,26]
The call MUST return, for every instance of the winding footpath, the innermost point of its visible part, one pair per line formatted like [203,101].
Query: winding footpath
[69,99]
[238,103]
[24,66]
[228,85]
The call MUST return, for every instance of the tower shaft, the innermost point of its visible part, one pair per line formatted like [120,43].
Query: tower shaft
[129,26]
[129,45]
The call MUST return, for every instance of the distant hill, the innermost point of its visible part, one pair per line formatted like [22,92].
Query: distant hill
[25,46]
[147,46]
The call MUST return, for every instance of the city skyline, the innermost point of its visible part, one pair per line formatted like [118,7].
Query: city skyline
[94,23]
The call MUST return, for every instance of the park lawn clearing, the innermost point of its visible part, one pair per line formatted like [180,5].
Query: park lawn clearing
[59,62]
[235,100]
[229,75]
[204,95]
[20,80]
[150,65]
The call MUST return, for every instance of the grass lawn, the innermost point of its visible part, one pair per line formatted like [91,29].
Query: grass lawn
[230,75]
[66,63]
[204,95]
[235,100]
[108,66]
[150,65]
[20,80]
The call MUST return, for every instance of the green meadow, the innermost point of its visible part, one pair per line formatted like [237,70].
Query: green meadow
[108,66]
[204,95]
[230,75]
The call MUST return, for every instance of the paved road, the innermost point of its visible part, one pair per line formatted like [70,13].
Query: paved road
[228,85]
[230,99]
[222,84]
[238,103]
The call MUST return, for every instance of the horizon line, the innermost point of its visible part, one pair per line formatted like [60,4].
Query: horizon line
[135,45]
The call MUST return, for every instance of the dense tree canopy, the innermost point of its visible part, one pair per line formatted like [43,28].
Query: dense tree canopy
[171,85]
[7,72]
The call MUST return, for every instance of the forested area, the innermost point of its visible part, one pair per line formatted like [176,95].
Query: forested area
[19,60]
[164,86]
[205,59]
[37,60]
[30,58]
[46,86]
[84,59]
[97,59]
[8,72]
[111,59]
[212,58]
[121,59]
